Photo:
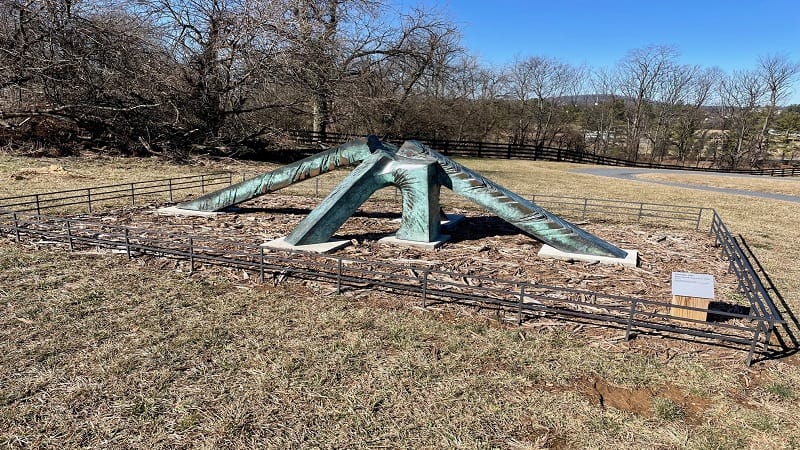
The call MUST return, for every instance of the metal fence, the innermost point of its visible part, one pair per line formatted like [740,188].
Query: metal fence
[500,150]
[750,330]
[91,197]
[605,209]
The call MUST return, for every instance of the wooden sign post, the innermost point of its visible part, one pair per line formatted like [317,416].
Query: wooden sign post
[694,290]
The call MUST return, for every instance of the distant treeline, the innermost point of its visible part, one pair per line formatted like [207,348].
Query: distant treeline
[178,77]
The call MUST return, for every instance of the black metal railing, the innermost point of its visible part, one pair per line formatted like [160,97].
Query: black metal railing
[750,284]
[501,150]
[91,197]
[21,217]
[606,209]
[525,299]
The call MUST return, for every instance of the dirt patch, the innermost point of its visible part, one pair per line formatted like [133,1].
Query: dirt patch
[643,402]
[52,170]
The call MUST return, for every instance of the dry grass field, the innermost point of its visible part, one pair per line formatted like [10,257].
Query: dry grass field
[100,351]
[777,185]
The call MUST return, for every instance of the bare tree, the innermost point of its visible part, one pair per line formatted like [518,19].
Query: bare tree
[331,44]
[602,111]
[76,67]
[222,50]
[478,90]
[670,97]
[776,72]
[741,94]
[692,115]
[640,73]
[541,86]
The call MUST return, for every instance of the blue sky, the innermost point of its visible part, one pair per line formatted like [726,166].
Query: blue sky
[729,34]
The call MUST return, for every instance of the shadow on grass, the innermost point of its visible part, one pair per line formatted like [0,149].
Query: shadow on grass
[784,334]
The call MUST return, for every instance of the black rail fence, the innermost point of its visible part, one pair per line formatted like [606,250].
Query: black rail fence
[91,197]
[749,329]
[605,209]
[500,150]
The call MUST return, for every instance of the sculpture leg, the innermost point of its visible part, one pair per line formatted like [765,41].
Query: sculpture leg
[343,201]
[419,187]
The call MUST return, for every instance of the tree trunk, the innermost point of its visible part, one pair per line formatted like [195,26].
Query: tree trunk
[320,116]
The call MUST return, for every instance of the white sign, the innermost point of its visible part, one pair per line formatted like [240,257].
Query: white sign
[688,284]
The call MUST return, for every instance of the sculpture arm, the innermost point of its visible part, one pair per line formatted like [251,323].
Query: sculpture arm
[348,154]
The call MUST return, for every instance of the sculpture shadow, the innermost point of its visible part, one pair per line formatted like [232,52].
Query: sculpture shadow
[476,228]
[469,229]
[305,211]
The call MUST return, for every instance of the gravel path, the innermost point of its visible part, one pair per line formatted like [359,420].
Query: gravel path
[627,173]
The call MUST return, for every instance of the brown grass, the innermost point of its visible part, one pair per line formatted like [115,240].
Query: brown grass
[785,186]
[100,351]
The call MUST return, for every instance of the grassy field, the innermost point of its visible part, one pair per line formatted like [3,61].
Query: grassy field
[777,185]
[101,351]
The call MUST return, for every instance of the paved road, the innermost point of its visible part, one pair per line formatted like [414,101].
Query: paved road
[628,173]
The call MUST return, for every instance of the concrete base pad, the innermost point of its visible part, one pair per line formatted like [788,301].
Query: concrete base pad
[392,240]
[451,220]
[632,260]
[175,211]
[324,247]
[448,221]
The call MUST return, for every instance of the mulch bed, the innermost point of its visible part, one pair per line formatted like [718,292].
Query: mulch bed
[482,245]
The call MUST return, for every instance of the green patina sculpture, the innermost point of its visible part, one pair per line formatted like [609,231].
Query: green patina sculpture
[418,172]
[418,181]
[348,154]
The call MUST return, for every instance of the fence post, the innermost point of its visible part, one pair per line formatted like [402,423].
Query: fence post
[133,196]
[585,204]
[230,178]
[261,265]
[191,255]
[69,236]
[641,210]
[519,305]
[316,187]
[699,216]
[202,184]
[339,277]
[16,227]
[169,183]
[89,199]
[127,243]
[749,360]
[38,207]
[630,320]
[768,337]
[425,288]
